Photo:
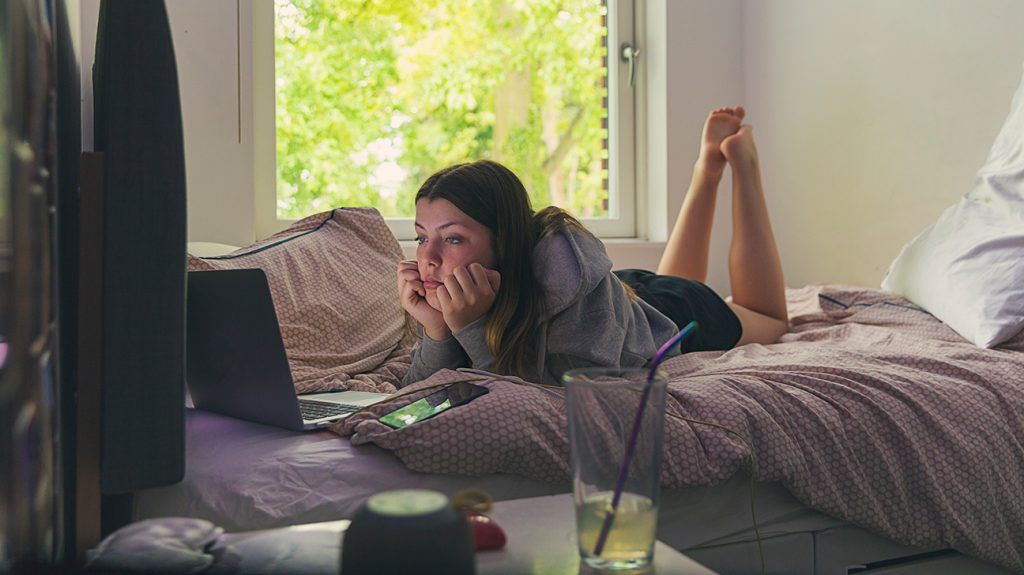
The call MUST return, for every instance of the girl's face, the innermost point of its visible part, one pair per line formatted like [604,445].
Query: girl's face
[448,239]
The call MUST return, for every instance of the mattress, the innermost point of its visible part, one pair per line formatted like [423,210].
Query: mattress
[243,476]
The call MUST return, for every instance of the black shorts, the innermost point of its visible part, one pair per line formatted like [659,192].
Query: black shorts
[683,301]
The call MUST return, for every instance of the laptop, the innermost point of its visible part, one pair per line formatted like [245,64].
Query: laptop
[235,358]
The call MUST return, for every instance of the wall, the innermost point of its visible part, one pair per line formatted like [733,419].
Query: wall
[871,117]
[215,70]
[690,67]
[214,75]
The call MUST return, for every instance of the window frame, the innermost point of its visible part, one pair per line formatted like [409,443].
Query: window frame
[623,220]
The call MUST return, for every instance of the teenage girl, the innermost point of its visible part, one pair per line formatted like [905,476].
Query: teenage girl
[499,287]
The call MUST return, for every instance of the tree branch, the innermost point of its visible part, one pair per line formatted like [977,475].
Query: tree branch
[564,143]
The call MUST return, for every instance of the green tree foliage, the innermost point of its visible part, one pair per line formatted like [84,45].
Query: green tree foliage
[374,96]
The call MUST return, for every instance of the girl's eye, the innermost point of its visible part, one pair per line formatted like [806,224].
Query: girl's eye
[421,240]
[453,240]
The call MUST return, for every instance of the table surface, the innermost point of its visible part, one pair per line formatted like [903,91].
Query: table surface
[541,535]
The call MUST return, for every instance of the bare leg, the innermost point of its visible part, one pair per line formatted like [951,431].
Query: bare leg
[686,254]
[755,271]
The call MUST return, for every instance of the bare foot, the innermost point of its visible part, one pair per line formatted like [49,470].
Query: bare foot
[739,149]
[721,124]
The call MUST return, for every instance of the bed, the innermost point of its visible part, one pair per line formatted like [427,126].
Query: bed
[242,475]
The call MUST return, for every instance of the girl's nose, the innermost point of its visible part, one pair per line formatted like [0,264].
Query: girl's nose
[431,256]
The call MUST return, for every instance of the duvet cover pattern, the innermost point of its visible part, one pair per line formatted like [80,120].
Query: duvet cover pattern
[870,410]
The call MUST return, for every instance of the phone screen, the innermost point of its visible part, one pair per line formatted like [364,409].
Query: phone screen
[429,406]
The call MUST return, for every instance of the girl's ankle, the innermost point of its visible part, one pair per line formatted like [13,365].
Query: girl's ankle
[709,168]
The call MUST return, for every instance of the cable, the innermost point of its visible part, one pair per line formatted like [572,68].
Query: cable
[753,476]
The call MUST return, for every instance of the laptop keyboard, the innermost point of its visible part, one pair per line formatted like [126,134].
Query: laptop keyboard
[312,409]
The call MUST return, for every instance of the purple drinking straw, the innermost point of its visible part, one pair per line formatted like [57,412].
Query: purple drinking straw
[631,446]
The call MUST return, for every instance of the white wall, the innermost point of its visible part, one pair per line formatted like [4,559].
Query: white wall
[690,67]
[88,15]
[871,117]
[214,76]
[215,71]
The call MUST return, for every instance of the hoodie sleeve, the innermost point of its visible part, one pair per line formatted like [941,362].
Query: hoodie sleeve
[430,356]
[473,339]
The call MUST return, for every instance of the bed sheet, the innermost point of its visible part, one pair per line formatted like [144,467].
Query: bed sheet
[242,476]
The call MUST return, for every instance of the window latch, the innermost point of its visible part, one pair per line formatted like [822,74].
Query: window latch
[629,56]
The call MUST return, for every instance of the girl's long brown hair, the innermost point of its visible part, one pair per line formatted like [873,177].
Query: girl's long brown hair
[491,194]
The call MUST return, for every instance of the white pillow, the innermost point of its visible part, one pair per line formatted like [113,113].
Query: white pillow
[967,269]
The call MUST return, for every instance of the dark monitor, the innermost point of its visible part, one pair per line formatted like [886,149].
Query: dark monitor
[138,129]
[65,221]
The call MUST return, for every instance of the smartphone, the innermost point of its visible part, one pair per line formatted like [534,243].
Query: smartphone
[429,406]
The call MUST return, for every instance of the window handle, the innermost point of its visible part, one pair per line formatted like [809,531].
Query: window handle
[629,56]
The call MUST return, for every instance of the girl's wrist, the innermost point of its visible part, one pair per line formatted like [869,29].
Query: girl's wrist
[464,325]
[438,334]
[457,326]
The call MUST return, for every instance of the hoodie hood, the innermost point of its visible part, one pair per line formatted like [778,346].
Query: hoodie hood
[569,264]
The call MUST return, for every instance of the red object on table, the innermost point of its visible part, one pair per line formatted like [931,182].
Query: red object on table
[486,533]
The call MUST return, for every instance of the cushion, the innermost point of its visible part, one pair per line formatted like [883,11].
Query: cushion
[166,545]
[332,278]
[207,249]
[967,269]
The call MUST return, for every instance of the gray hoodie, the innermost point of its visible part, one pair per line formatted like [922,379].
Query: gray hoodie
[589,319]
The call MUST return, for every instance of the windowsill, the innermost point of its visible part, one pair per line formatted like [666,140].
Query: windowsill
[633,242]
[624,242]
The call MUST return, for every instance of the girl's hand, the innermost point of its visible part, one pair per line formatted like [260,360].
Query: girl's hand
[413,297]
[468,294]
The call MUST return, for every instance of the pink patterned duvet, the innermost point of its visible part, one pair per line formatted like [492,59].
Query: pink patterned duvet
[870,410]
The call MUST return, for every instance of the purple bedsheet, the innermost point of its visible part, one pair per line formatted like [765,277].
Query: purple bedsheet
[870,410]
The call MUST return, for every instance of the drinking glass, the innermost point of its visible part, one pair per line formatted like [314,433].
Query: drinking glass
[616,423]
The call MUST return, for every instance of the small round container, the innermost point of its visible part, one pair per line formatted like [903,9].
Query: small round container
[408,531]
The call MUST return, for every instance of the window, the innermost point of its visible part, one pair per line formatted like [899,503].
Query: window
[370,98]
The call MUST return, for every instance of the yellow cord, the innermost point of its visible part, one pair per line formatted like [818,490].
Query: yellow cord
[473,500]
[753,476]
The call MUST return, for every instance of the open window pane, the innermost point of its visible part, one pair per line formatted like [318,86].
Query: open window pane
[373,97]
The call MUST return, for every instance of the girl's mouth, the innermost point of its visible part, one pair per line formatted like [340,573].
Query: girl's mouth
[431,284]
